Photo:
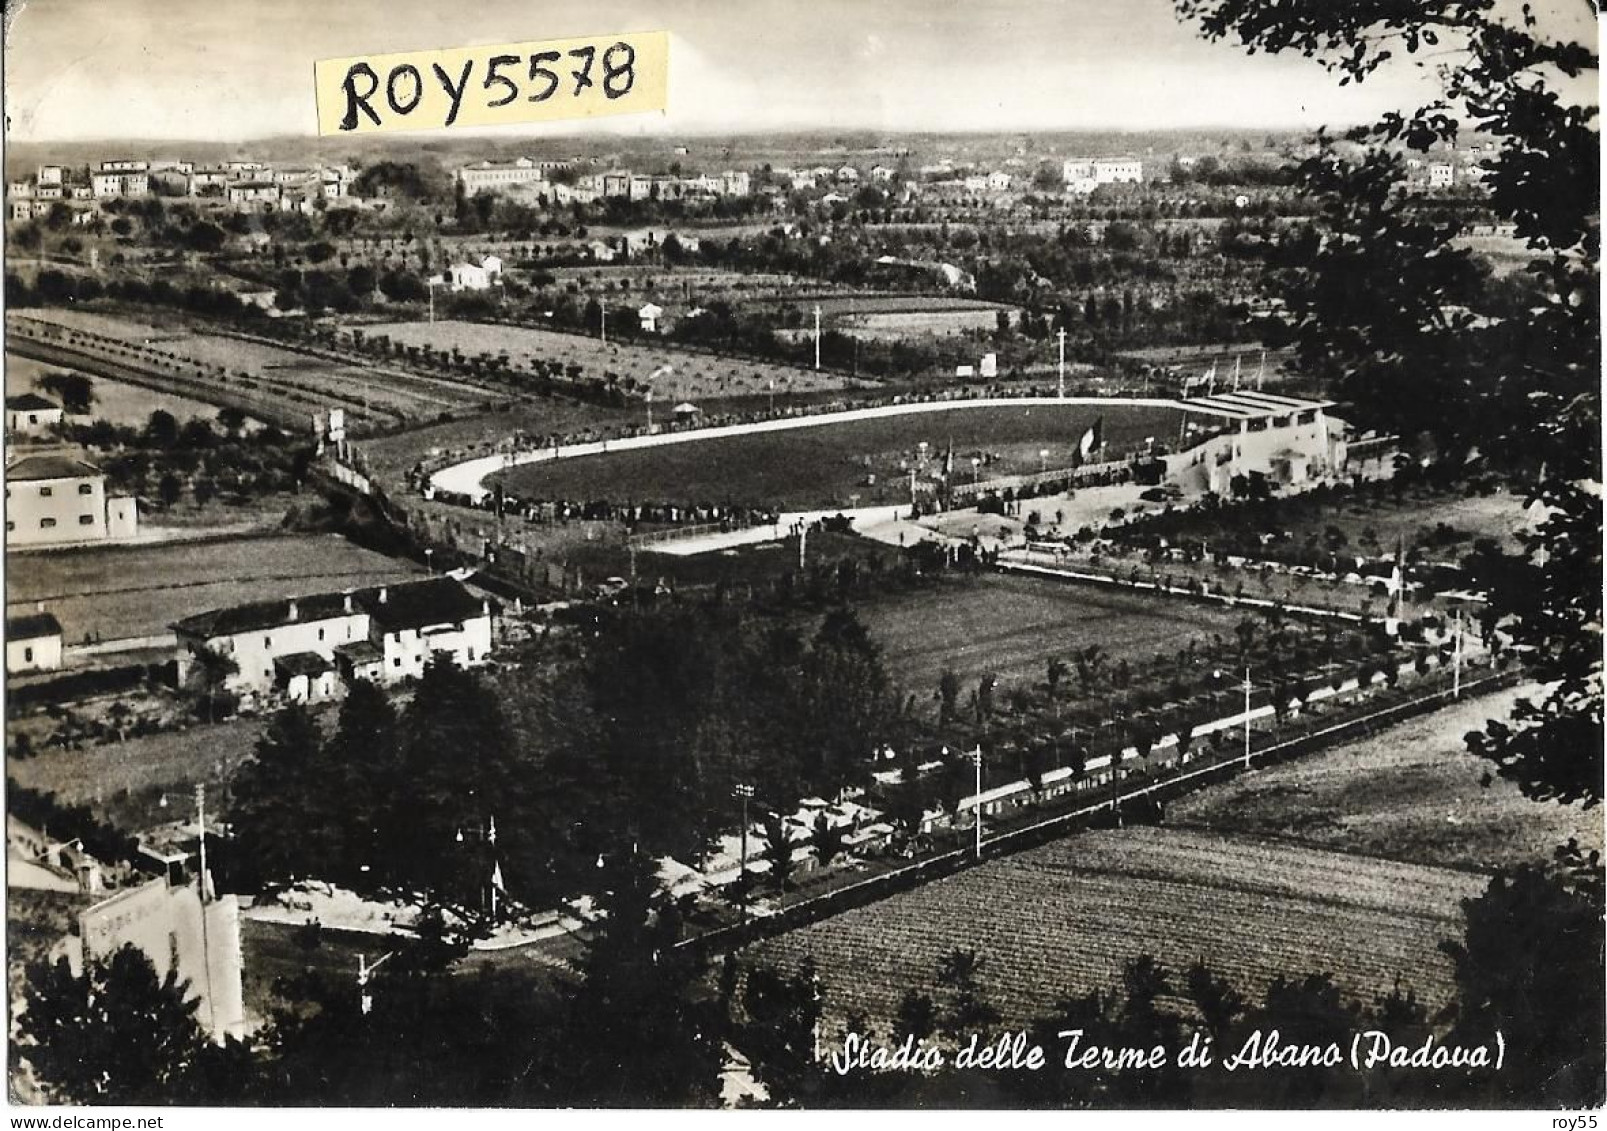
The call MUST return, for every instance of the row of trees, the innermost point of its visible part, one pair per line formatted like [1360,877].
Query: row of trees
[643,743]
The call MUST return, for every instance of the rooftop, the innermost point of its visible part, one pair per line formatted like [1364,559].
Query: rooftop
[407,604]
[30,402]
[1246,404]
[303,663]
[32,626]
[31,468]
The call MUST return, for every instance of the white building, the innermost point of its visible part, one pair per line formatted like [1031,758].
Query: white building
[56,499]
[1288,441]
[50,175]
[736,182]
[295,647]
[33,643]
[109,183]
[480,276]
[1084,174]
[649,314]
[1441,174]
[488,176]
[256,194]
[29,414]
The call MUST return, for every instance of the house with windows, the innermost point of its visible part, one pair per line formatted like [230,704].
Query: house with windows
[29,414]
[33,643]
[480,276]
[54,499]
[306,649]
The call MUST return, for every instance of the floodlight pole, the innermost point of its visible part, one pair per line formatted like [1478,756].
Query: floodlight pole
[817,335]
[1062,337]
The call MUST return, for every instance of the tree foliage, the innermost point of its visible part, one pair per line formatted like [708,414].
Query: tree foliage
[1380,298]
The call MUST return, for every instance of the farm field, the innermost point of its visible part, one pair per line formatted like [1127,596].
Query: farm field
[1412,792]
[123,781]
[1062,919]
[826,465]
[291,385]
[696,376]
[132,591]
[1012,625]
[116,402]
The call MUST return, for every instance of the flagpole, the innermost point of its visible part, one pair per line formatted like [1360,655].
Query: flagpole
[1062,337]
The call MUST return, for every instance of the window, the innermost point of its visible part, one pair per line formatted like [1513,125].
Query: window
[85,519]
[10,526]
[85,489]
[33,418]
[27,655]
[397,662]
[320,634]
[267,642]
[44,492]
[46,523]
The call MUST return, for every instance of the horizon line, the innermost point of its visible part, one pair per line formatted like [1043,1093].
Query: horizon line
[704,132]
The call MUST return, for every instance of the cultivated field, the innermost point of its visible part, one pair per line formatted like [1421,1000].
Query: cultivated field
[696,375]
[1011,626]
[828,465]
[283,384]
[134,591]
[1062,919]
[114,401]
[1412,793]
[124,781]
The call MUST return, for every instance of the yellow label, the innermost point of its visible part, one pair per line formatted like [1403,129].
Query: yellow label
[542,81]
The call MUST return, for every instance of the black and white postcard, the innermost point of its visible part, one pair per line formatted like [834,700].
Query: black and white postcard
[860,554]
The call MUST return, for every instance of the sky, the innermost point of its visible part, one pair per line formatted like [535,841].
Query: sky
[232,70]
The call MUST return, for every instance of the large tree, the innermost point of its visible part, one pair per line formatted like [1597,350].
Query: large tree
[115,1033]
[1380,298]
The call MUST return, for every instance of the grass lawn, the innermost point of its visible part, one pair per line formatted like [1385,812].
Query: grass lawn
[1011,626]
[131,591]
[828,465]
[1412,793]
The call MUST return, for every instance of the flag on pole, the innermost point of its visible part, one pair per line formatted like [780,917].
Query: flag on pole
[1092,440]
[496,877]
[1210,380]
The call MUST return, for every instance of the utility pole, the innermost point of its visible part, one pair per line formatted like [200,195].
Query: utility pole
[1248,687]
[364,973]
[1062,337]
[744,792]
[817,335]
[1456,660]
[206,939]
[803,541]
[200,824]
[602,321]
[976,755]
